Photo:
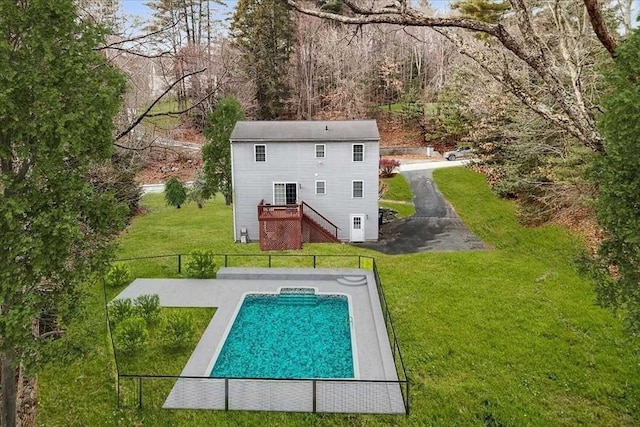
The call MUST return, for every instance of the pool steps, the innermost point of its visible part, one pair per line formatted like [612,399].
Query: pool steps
[297,299]
[352,280]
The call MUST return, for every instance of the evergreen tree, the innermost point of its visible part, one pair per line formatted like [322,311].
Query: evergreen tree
[618,179]
[263,30]
[175,192]
[481,10]
[217,152]
[58,98]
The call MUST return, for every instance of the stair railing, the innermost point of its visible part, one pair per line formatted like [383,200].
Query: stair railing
[319,219]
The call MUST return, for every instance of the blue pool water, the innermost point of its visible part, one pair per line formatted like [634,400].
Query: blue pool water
[289,335]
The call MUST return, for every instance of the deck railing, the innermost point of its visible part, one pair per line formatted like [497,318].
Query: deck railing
[133,389]
[269,212]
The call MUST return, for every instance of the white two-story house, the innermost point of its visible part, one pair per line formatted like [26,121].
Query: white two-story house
[305,181]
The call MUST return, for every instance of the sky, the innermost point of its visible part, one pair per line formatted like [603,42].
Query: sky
[137,7]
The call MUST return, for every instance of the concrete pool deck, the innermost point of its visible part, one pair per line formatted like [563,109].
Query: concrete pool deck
[374,359]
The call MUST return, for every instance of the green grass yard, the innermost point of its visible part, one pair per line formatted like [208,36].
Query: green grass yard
[509,337]
[398,196]
[164,123]
[430,108]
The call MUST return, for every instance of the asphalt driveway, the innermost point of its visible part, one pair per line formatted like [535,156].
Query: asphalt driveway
[434,226]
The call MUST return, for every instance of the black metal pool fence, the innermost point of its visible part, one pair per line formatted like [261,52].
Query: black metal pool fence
[309,395]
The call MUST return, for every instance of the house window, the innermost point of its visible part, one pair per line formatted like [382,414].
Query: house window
[320,151]
[357,189]
[321,187]
[285,193]
[260,153]
[358,152]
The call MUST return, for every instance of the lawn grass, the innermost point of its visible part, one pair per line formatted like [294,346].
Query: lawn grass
[509,336]
[398,196]
[397,189]
[430,108]
[165,123]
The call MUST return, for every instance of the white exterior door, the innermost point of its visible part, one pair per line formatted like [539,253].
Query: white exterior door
[357,228]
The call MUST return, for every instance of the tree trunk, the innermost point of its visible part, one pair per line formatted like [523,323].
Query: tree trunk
[9,389]
[27,400]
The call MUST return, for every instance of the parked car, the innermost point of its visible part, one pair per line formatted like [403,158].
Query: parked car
[459,153]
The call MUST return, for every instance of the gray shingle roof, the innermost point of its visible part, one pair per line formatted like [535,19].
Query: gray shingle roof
[346,130]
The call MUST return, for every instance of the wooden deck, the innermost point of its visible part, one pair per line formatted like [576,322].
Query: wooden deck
[285,227]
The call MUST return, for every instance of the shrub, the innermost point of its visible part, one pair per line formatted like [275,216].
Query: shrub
[175,192]
[148,307]
[130,335]
[387,166]
[178,330]
[201,265]
[120,309]
[117,276]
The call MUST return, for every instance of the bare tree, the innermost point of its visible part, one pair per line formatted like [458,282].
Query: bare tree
[521,43]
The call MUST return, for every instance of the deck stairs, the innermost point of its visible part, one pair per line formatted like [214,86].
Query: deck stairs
[319,229]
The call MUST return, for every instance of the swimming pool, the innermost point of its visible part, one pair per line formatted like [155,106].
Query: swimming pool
[295,333]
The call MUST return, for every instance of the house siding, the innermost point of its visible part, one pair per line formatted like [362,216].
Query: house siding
[296,162]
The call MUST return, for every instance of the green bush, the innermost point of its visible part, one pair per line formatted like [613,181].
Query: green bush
[148,307]
[198,189]
[120,309]
[130,335]
[178,330]
[117,276]
[201,265]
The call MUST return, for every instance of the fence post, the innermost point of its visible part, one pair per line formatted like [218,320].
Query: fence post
[179,263]
[140,392]
[314,266]
[359,261]
[408,398]
[226,394]
[269,261]
[225,260]
[314,396]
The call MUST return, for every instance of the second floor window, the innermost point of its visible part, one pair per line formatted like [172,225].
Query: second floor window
[260,153]
[358,152]
[320,151]
[357,189]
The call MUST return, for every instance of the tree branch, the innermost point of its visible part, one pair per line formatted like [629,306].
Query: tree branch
[600,27]
[56,334]
[136,38]
[186,110]
[529,49]
[137,121]
[133,52]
